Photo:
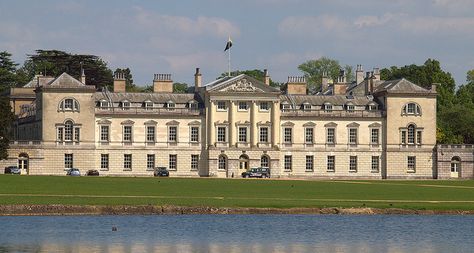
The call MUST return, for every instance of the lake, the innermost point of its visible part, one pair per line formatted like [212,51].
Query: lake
[238,233]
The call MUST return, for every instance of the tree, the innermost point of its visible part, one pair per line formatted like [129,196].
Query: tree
[425,75]
[6,119]
[313,71]
[7,71]
[55,62]
[180,87]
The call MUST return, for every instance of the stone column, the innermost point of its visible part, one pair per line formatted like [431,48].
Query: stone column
[210,124]
[275,118]
[253,124]
[231,116]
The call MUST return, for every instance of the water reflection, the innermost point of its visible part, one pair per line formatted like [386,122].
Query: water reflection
[238,233]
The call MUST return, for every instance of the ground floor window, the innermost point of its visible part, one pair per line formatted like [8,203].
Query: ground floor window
[127,161]
[222,162]
[68,161]
[411,163]
[331,163]
[265,162]
[375,164]
[353,163]
[194,162]
[173,160]
[309,163]
[150,162]
[288,163]
[104,161]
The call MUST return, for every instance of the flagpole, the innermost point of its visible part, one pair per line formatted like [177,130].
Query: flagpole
[228,64]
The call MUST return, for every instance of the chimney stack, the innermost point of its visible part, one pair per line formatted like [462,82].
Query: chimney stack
[359,74]
[266,77]
[296,85]
[162,83]
[377,74]
[119,82]
[197,80]
[340,87]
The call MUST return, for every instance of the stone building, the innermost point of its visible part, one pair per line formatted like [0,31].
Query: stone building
[370,128]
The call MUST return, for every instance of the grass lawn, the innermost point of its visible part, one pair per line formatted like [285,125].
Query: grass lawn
[435,195]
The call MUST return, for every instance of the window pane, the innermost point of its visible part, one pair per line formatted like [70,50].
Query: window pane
[150,161]
[288,162]
[104,161]
[309,163]
[173,162]
[309,135]
[194,162]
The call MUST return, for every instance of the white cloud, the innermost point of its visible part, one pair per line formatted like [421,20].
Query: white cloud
[371,21]
[315,27]
[185,26]
[439,25]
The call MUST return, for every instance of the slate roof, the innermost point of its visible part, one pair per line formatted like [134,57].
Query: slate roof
[65,80]
[401,86]
[159,98]
[38,80]
[321,99]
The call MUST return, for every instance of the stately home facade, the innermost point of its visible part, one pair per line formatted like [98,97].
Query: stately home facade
[369,128]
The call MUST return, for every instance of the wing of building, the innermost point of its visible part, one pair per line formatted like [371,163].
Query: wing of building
[367,129]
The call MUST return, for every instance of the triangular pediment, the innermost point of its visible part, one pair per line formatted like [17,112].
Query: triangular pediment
[241,83]
[65,80]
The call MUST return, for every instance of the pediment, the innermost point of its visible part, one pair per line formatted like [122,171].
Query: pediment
[241,84]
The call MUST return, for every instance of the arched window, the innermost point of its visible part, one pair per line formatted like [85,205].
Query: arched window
[455,164]
[69,104]
[411,109]
[170,105]
[148,105]
[350,107]
[265,161]
[222,162]
[372,107]
[306,106]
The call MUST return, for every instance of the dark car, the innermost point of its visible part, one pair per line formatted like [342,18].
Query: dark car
[161,172]
[257,172]
[73,172]
[92,173]
[12,170]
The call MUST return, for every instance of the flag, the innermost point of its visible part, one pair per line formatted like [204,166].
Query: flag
[228,45]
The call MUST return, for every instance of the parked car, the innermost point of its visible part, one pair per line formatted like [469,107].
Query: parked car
[73,172]
[92,173]
[12,170]
[161,172]
[257,172]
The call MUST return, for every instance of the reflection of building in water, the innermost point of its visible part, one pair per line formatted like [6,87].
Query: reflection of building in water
[369,128]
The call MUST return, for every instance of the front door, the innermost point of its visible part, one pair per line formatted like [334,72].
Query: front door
[243,163]
[455,169]
[23,164]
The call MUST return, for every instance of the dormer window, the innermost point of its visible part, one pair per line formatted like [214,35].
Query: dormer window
[125,105]
[148,105]
[372,107]
[411,109]
[285,106]
[193,105]
[350,107]
[69,104]
[306,107]
[328,107]
[170,105]
[104,104]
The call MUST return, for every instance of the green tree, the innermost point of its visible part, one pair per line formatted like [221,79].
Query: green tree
[7,71]
[180,87]
[425,75]
[55,62]
[313,71]
[6,119]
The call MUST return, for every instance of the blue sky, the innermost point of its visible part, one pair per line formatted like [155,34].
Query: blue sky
[172,36]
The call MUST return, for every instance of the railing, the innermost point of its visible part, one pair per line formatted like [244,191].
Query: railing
[334,113]
[141,110]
